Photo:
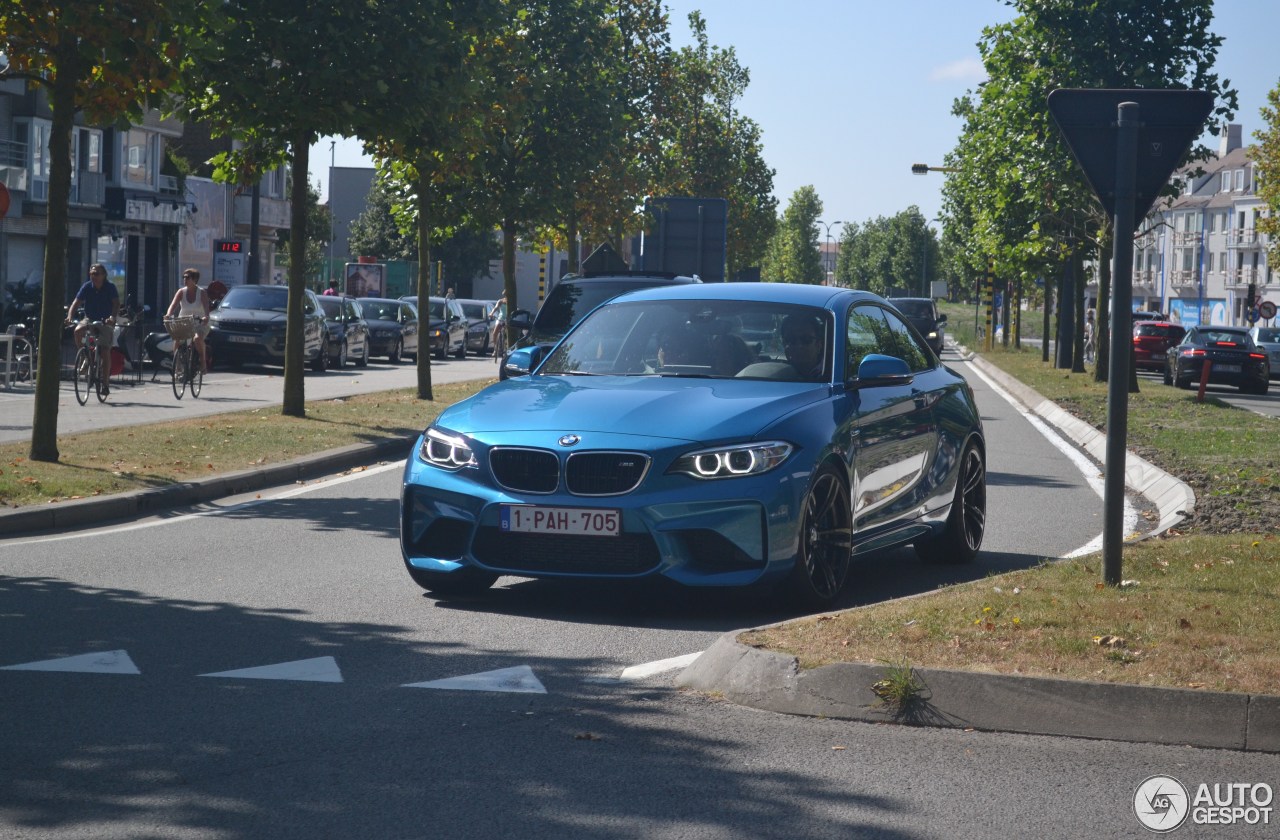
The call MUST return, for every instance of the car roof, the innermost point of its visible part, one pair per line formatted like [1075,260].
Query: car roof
[384,300]
[920,299]
[797,293]
[646,278]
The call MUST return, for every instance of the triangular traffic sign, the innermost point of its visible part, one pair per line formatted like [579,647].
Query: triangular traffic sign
[319,669]
[102,662]
[518,680]
[1170,121]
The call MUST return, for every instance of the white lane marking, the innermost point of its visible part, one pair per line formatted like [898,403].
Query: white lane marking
[518,680]
[103,662]
[1087,468]
[648,669]
[313,484]
[319,669]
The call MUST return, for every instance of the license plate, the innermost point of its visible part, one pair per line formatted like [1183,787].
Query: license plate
[536,519]
[241,339]
[1226,368]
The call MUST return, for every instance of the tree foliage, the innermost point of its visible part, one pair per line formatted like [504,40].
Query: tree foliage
[793,255]
[1266,156]
[894,255]
[318,231]
[110,61]
[710,149]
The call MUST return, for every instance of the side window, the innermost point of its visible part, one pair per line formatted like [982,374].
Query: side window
[901,343]
[865,334]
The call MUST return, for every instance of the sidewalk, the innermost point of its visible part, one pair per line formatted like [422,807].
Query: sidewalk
[774,682]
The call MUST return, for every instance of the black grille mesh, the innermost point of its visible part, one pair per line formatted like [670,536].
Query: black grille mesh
[604,473]
[528,470]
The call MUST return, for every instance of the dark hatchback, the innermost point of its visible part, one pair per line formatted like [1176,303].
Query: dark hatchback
[248,324]
[447,328]
[570,301]
[1151,342]
[1232,356]
[479,324]
[922,313]
[348,330]
[393,327]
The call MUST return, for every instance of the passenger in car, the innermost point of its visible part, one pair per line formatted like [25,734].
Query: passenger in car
[729,354]
[802,342]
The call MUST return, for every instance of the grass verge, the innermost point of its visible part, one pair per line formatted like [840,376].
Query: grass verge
[1201,609]
[140,457]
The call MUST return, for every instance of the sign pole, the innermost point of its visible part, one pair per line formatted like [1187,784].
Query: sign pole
[1128,115]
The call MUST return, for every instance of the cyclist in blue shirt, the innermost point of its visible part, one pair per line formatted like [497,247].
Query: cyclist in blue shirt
[101,302]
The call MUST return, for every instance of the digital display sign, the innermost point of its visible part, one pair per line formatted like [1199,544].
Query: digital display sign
[229,246]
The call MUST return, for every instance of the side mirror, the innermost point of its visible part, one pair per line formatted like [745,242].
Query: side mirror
[877,369]
[942,319]
[521,361]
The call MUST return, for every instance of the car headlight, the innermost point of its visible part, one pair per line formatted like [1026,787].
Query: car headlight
[449,452]
[437,333]
[733,461]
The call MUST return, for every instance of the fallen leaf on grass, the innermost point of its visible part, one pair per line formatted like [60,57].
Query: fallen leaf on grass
[1183,624]
[1109,641]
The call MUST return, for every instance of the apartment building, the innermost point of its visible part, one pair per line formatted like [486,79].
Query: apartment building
[1196,259]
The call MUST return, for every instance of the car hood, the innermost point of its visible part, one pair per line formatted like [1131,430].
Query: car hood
[259,315]
[653,406]
[380,323]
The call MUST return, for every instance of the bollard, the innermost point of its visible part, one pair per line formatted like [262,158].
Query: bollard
[1204,378]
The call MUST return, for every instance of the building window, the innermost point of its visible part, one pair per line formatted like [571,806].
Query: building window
[140,158]
[1239,180]
[1226,182]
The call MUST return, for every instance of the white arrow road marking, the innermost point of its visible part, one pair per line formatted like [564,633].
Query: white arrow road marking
[648,669]
[518,680]
[320,669]
[103,662]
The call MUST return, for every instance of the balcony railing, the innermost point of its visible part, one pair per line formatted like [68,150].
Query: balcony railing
[1182,277]
[1244,238]
[1144,277]
[1186,237]
[1244,276]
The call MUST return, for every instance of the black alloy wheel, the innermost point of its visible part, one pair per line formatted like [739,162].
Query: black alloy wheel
[966,524]
[826,543]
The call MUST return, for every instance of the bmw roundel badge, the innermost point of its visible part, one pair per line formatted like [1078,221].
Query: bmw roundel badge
[569,440]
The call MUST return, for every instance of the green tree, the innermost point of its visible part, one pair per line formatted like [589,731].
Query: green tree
[377,232]
[318,227]
[793,255]
[1015,181]
[111,61]
[711,150]
[898,254]
[1266,156]
[281,75]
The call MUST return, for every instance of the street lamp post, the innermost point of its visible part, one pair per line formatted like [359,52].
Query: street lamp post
[329,267]
[828,272]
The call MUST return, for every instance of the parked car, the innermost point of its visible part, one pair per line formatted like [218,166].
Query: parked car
[447,328]
[1151,342]
[1268,340]
[922,313]
[348,331]
[568,303]
[393,327]
[248,325]
[1234,359]
[479,324]
[647,444]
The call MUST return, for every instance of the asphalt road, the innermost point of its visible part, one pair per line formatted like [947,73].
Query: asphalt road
[224,390]
[263,667]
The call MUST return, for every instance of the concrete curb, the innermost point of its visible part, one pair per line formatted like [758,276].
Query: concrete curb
[991,702]
[79,513]
[1002,703]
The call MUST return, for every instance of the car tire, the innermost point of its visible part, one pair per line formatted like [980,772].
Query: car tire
[1168,379]
[363,361]
[461,582]
[321,362]
[442,352]
[1178,381]
[342,355]
[462,350]
[825,546]
[966,524]
[396,352]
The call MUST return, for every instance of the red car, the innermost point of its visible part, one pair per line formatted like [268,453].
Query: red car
[1151,342]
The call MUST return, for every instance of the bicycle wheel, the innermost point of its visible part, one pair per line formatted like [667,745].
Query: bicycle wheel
[100,383]
[23,355]
[197,373]
[81,376]
[179,374]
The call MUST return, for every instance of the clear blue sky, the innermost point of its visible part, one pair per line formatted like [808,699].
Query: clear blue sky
[850,93]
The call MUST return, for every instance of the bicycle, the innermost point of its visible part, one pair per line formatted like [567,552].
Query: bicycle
[88,367]
[187,367]
[23,354]
[500,342]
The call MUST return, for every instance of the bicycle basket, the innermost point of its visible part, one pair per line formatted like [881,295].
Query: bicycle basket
[182,328]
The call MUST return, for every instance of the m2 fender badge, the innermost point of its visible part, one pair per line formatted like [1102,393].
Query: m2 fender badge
[569,440]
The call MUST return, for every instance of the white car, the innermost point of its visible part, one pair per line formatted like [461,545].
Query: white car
[1268,339]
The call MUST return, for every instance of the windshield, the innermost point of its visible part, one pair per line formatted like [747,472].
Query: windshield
[1269,336]
[569,302]
[1162,330]
[475,311]
[332,307]
[698,338]
[437,309]
[274,298]
[375,310]
[914,308]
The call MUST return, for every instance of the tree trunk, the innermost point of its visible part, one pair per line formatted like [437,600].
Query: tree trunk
[1077,267]
[423,188]
[509,273]
[1046,328]
[295,397]
[44,427]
